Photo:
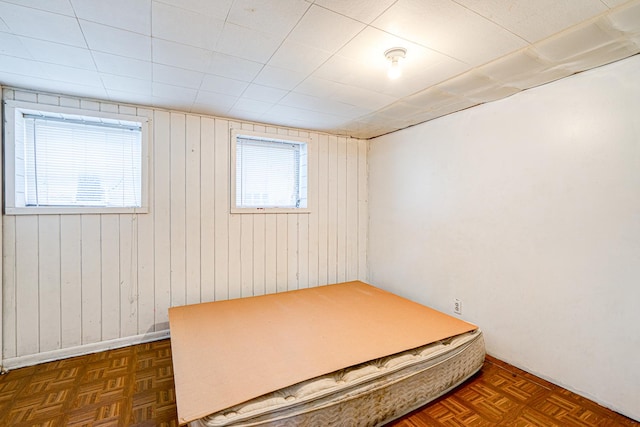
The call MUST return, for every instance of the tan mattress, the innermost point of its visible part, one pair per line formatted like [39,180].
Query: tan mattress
[368,394]
[229,352]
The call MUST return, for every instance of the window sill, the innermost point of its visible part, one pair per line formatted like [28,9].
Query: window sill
[270,210]
[73,210]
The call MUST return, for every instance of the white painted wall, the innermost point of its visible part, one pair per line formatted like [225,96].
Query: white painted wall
[86,282]
[528,210]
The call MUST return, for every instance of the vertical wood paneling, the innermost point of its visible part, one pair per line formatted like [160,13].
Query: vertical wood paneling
[258,254]
[9,302]
[270,253]
[246,255]
[110,262]
[192,200]
[162,217]
[27,292]
[146,244]
[91,252]
[259,245]
[282,256]
[128,275]
[178,241]
[302,237]
[49,281]
[313,241]
[323,209]
[235,241]
[87,278]
[341,211]
[332,211]
[351,210]
[292,251]
[207,209]
[221,142]
[363,209]
[70,280]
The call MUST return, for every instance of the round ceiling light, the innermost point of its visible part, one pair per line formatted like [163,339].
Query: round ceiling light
[394,55]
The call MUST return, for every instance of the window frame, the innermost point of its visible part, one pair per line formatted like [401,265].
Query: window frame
[234,133]
[13,108]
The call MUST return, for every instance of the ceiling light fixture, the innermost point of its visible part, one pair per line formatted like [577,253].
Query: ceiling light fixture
[394,54]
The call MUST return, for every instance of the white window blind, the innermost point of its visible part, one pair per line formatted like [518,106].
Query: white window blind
[70,162]
[270,173]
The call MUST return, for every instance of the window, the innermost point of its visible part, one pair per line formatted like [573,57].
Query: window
[61,160]
[268,173]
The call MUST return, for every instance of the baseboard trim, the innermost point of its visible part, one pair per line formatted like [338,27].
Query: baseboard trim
[49,356]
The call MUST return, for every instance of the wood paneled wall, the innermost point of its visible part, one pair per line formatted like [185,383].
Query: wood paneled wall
[73,280]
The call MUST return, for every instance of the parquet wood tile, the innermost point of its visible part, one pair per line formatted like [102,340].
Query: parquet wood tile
[133,386]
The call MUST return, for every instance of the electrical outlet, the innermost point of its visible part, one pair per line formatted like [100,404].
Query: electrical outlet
[457,306]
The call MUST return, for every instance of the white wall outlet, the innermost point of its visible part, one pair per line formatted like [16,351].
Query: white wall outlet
[457,306]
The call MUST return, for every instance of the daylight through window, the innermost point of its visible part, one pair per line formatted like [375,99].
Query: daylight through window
[269,173]
[66,161]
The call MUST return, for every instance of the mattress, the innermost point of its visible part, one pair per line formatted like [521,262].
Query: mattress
[368,394]
[227,353]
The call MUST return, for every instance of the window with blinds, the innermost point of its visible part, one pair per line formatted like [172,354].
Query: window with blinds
[64,162]
[268,173]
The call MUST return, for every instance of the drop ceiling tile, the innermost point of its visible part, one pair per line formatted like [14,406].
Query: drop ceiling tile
[251,105]
[432,98]
[116,41]
[218,8]
[526,81]
[42,25]
[57,53]
[131,15]
[126,84]
[122,66]
[214,103]
[467,83]
[360,10]
[185,26]
[356,96]
[180,55]
[614,3]
[421,65]
[213,83]
[274,17]
[180,94]
[601,56]
[574,42]
[247,43]
[130,97]
[398,110]
[69,74]
[298,57]
[324,105]
[535,20]
[279,78]
[324,29]
[449,28]
[171,104]
[22,66]
[11,45]
[492,93]
[626,18]
[218,100]
[234,67]
[519,63]
[263,93]
[56,6]
[177,76]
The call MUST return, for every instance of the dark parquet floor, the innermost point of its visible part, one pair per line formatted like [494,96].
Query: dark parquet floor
[133,386]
